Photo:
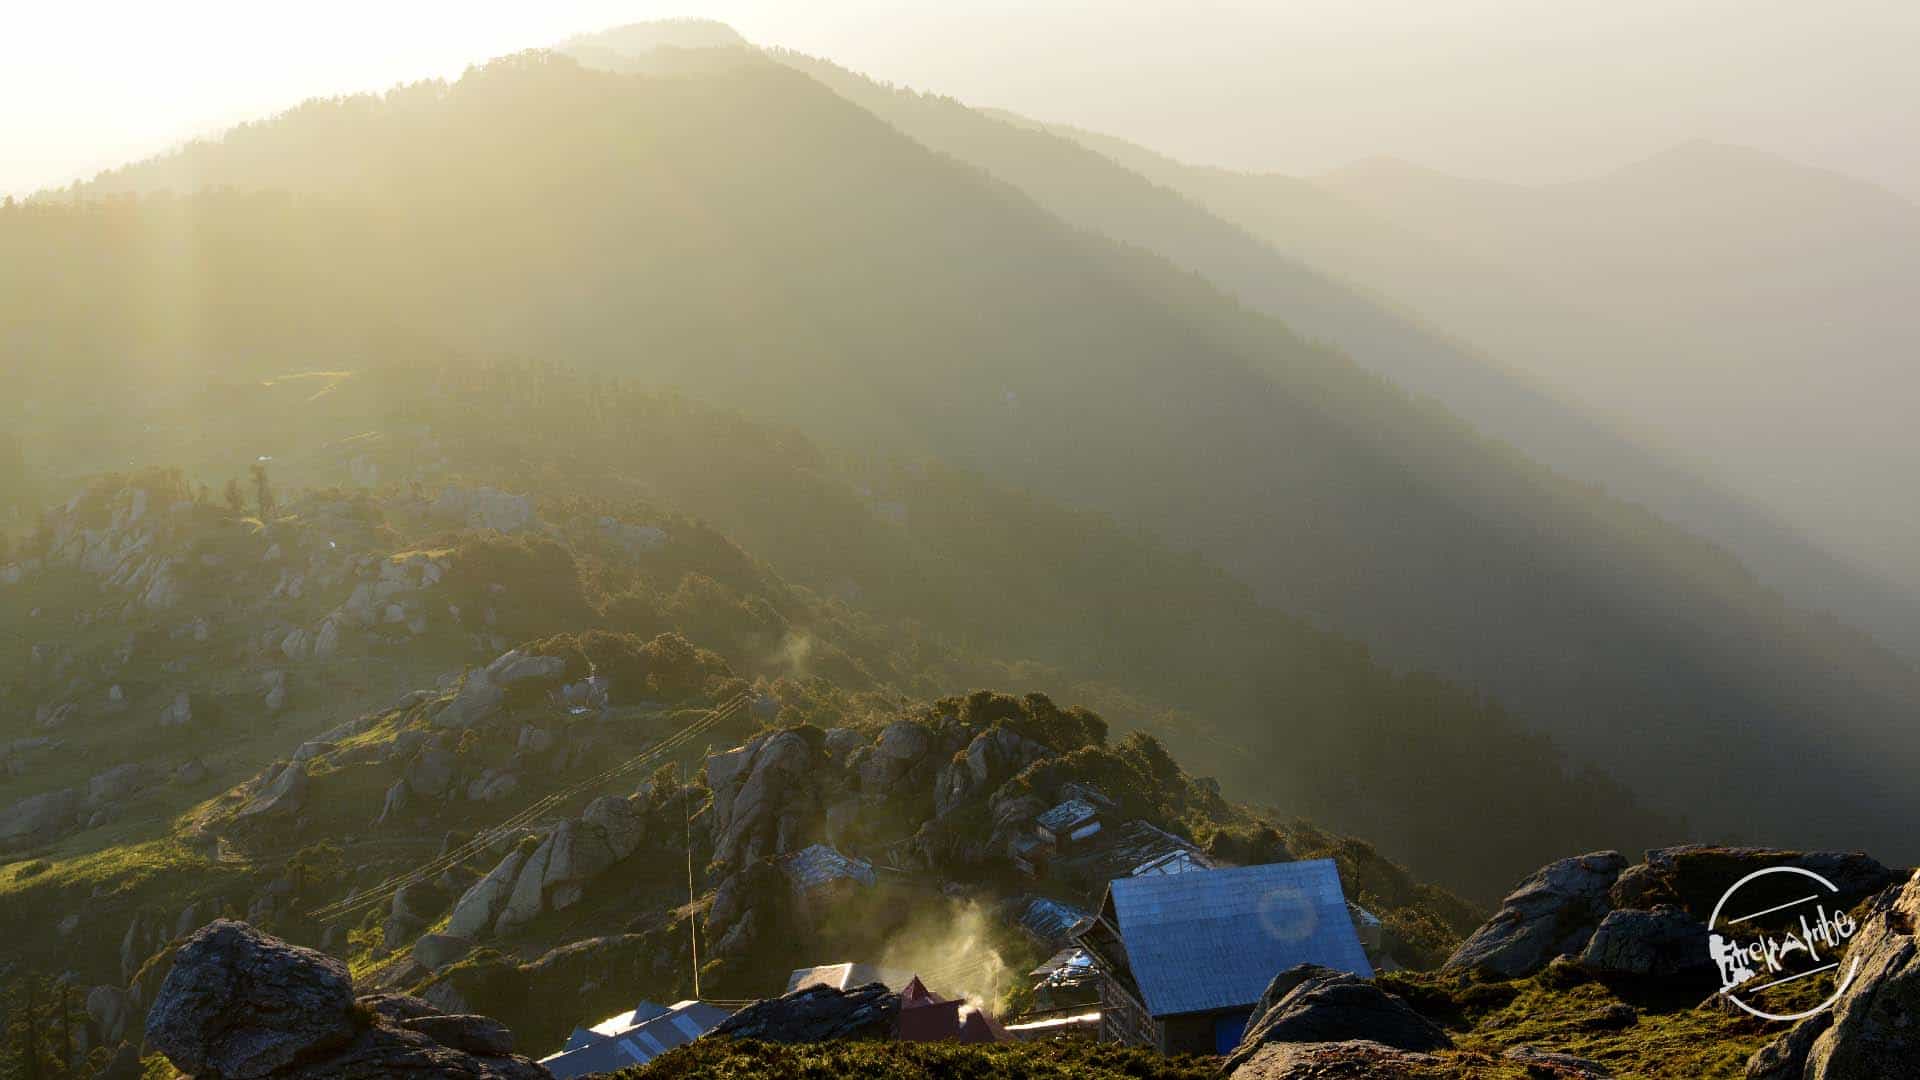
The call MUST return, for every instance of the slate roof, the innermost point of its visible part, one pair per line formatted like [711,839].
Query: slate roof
[638,1044]
[812,867]
[1125,851]
[1050,920]
[847,976]
[1213,939]
[1065,816]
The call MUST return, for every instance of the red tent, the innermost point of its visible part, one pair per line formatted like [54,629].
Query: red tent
[927,1017]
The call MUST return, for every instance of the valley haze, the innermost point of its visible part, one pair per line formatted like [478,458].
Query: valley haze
[535,544]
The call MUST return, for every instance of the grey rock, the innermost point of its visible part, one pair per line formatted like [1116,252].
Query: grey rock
[1555,911]
[1665,942]
[431,772]
[464,1031]
[115,784]
[191,771]
[283,796]
[1350,1060]
[753,793]
[1695,876]
[1546,1064]
[620,822]
[435,951]
[110,1008]
[1313,1004]
[311,749]
[478,908]
[38,818]
[1873,1030]
[395,803]
[478,700]
[179,712]
[517,667]
[529,896]
[817,1014]
[239,1004]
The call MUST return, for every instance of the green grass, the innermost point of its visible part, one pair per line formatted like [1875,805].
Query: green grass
[1670,1037]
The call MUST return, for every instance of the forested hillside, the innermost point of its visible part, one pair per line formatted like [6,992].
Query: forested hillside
[753,239]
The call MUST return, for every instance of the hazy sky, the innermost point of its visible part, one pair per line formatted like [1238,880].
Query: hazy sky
[1509,89]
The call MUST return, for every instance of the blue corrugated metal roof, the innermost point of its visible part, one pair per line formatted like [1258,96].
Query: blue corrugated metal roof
[1214,939]
[636,1045]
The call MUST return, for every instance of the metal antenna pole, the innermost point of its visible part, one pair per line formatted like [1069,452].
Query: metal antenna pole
[693,922]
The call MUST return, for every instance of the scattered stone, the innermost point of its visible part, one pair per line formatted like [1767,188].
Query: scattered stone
[179,712]
[1546,1065]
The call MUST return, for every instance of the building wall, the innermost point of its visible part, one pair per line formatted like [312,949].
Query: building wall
[1124,1020]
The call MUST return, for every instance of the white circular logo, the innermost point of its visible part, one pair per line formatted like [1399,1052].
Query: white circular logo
[1765,944]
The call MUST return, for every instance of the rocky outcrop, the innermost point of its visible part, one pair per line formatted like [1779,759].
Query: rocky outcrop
[1693,877]
[1553,912]
[903,752]
[1873,1030]
[240,1005]
[989,760]
[484,690]
[283,793]
[474,913]
[39,818]
[1308,1003]
[817,1014]
[1352,1060]
[1665,942]
[755,812]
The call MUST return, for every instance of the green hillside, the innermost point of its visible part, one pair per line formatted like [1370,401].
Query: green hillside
[751,238]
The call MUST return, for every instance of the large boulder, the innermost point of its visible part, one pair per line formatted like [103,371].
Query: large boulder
[1308,1003]
[38,818]
[622,821]
[1873,1030]
[515,667]
[1553,912]
[240,1005]
[283,795]
[817,1014]
[115,784]
[430,773]
[1665,943]
[903,751]
[989,759]
[753,787]
[1695,876]
[477,909]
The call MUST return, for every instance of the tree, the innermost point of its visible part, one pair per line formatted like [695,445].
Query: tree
[262,490]
[236,498]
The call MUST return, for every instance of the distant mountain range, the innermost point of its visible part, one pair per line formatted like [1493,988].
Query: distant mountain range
[739,231]
[1724,318]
